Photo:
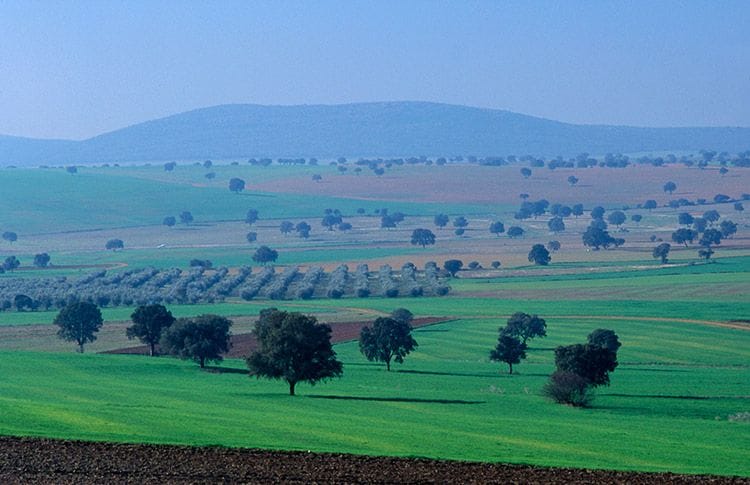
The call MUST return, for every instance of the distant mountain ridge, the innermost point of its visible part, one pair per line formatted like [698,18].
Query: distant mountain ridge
[387,129]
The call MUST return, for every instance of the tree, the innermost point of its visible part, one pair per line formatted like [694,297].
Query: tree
[293,347]
[572,180]
[727,228]
[236,185]
[637,218]
[662,251]
[264,255]
[597,212]
[11,263]
[79,323]
[711,216]
[169,221]
[526,172]
[317,177]
[331,220]
[286,227]
[554,245]
[568,388]
[683,236]
[460,222]
[605,338]
[650,204]
[595,237]
[303,229]
[201,339]
[41,260]
[590,361]
[497,228]
[208,164]
[700,224]
[251,217]
[670,187]
[617,218]
[556,224]
[23,302]
[685,219]
[539,255]
[525,326]
[453,266]
[251,237]
[509,349]
[514,232]
[149,321]
[186,217]
[402,315]
[71,169]
[441,220]
[577,210]
[388,339]
[169,166]
[705,253]
[210,175]
[10,236]
[739,207]
[423,237]
[114,244]
[387,222]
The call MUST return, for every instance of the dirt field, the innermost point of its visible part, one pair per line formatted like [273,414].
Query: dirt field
[42,461]
[244,344]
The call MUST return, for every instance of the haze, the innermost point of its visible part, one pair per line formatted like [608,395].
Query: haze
[78,69]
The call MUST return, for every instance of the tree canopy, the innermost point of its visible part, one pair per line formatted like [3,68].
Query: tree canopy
[388,339]
[293,347]
[264,255]
[236,185]
[422,237]
[539,255]
[525,326]
[114,244]
[509,349]
[453,266]
[149,321]
[662,251]
[79,322]
[201,339]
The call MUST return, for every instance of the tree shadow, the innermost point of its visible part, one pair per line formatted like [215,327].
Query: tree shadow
[623,368]
[665,396]
[395,399]
[224,370]
[454,374]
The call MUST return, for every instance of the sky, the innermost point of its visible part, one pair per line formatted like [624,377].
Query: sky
[75,69]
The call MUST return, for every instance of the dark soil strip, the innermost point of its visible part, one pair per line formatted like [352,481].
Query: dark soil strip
[244,344]
[43,461]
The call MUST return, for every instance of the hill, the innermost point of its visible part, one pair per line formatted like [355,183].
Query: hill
[365,129]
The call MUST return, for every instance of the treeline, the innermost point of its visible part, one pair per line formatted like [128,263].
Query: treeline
[203,285]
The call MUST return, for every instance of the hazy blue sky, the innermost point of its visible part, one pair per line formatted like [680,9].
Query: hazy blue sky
[79,68]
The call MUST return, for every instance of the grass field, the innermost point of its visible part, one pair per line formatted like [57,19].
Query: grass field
[684,365]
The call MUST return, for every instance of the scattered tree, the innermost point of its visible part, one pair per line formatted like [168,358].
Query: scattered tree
[41,260]
[169,221]
[460,222]
[186,217]
[637,218]
[509,349]
[727,228]
[556,224]
[264,255]
[286,227]
[662,251]
[590,361]
[650,204]
[423,237]
[515,231]
[201,339]
[114,244]
[683,236]
[497,228]
[577,210]
[539,255]
[236,185]
[303,229]
[79,323]
[453,266]
[670,187]
[685,219]
[10,236]
[526,172]
[553,245]
[617,218]
[11,263]
[572,180]
[251,237]
[251,217]
[293,347]
[149,321]
[388,339]
[597,212]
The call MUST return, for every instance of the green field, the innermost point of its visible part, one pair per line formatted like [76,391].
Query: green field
[684,370]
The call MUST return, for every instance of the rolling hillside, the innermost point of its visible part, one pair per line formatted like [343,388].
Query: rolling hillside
[353,130]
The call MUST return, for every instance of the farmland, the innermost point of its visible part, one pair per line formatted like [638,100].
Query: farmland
[675,403]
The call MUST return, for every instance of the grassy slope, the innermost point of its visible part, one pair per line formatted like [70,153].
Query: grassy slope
[675,384]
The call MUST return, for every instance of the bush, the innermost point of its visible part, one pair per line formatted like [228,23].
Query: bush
[568,388]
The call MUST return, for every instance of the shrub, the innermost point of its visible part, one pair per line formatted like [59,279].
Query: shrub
[568,388]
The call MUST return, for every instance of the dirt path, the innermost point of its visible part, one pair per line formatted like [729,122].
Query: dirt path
[43,461]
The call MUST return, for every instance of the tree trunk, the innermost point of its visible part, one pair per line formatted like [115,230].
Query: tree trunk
[80,346]
[153,351]
[511,368]
[388,365]
[291,388]
[203,362]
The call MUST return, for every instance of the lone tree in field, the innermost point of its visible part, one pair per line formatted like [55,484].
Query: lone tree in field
[526,172]
[441,220]
[41,260]
[79,323]
[251,217]
[293,347]
[186,217]
[515,231]
[236,185]
[149,321]
[114,244]
[572,180]
[201,339]
[650,204]
[423,237]
[251,237]
[497,228]
[453,266]
[169,221]
[662,251]
[509,349]
[460,222]
[617,218]
[286,227]
[388,339]
[525,326]
[264,255]
[303,229]
[670,187]
[590,361]
[10,236]
[539,255]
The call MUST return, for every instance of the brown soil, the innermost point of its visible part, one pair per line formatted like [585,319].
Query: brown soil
[244,344]
[41,461]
